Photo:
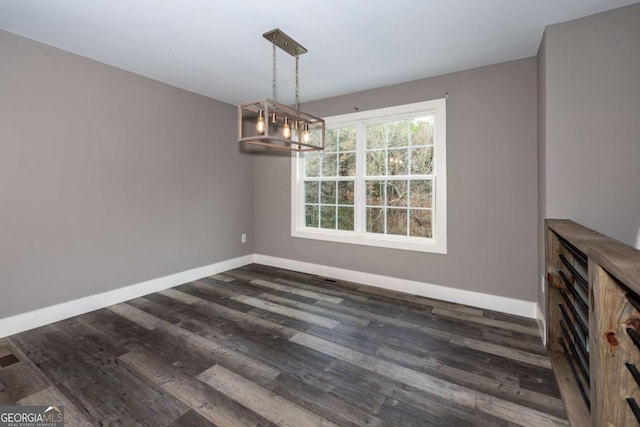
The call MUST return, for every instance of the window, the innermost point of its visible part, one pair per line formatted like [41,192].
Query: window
[381,180]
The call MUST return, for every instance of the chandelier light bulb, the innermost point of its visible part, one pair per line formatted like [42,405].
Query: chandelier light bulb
[260,123]
[286,130]
[306,135]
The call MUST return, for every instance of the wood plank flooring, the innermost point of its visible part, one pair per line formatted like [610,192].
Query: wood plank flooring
[259,346]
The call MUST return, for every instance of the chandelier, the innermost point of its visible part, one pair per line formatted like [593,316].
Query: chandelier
[270,124]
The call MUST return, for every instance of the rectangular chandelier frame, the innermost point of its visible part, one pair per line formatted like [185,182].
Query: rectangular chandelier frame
[272,136]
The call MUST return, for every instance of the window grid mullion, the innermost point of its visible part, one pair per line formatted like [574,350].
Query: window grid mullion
[410,171]
[329,178]
[385,194]
[408,205]
[319,204]
[361,164]
[433,207]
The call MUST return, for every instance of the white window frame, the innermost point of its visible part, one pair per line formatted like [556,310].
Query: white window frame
[437,244]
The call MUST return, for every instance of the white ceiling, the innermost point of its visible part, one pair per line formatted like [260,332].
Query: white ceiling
[215,47]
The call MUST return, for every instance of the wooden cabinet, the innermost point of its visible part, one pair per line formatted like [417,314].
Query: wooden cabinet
[593,324]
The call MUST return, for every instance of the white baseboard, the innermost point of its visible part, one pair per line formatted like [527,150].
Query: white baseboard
[542,324]
[460,296]
[44,316]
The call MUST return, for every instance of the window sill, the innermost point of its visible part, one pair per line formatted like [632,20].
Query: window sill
[368,239]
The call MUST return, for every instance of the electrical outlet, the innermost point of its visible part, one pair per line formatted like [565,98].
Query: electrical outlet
[243,238]
[542,283]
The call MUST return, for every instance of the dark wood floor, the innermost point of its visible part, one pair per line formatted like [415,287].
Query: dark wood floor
[259,346]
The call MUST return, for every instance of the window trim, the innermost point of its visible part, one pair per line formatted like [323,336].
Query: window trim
[437,244]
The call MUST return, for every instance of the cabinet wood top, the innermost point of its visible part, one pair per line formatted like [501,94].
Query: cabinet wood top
[620,260]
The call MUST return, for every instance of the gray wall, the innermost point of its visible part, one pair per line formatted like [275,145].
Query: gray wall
[542,138]
[108,179]
[492,186]
[592,116]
